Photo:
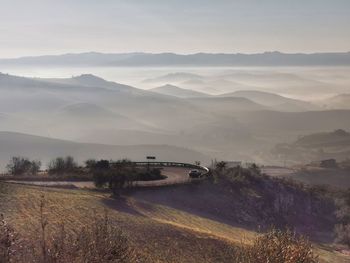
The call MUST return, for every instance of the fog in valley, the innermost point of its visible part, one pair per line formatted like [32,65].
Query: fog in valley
[201,113]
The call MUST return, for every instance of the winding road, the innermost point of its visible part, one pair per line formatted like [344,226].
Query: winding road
[175,175]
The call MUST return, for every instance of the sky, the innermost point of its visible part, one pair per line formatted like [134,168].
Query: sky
[40,27]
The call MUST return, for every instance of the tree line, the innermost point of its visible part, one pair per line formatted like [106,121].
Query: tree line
[115,175]
[22,166]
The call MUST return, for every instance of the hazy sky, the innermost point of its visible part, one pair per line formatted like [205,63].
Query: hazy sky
[35,27]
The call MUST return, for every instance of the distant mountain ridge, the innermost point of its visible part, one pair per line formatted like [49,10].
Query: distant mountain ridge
[198,59]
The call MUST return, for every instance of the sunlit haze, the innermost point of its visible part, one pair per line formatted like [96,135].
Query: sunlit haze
[41,27]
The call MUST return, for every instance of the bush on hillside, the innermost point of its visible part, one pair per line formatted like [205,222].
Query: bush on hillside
[278,246]
[238,176]
[119,175]
[149,174]
[270,201]
[115,176]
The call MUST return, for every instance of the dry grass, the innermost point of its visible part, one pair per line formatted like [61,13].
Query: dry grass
[159,233]
[97,242]
[278,246]
[155,241]
[199,224]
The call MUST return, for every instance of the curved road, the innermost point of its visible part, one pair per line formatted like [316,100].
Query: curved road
[175,175]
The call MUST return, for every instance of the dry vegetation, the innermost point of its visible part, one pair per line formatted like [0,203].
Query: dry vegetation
[153,232]
[154,240]
[278,246]
[99,241]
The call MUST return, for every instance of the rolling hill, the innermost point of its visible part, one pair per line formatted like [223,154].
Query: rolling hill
[201,222]
[297,122]
[316,147]
[90,80]
[175,77]
[341,101]
[226,105]
[89,109]
[264,98]
[337,138]
[178,92]
[274,101]
[45,149]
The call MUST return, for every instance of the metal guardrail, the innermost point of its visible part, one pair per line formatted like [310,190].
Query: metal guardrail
[172,164]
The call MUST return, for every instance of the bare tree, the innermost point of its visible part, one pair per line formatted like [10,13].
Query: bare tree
[23,166]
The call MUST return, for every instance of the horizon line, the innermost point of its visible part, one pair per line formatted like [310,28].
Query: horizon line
[173,53]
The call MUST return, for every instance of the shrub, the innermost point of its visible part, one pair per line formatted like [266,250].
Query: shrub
[121,174]
[23,166]
[278,246]
[149,175]
[62,165]
[102,164]
[114,175]
[255,168]
[220,165]
[90,163]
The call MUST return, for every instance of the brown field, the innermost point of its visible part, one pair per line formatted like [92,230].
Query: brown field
[161,231]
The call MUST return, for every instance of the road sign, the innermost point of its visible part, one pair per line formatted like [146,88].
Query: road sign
[150,157]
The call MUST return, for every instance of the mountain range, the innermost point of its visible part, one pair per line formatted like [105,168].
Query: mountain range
[199,59]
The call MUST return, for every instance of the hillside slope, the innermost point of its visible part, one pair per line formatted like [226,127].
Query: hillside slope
[274,101]
[341,101]
[200,222]
[45,149]
[316,147]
